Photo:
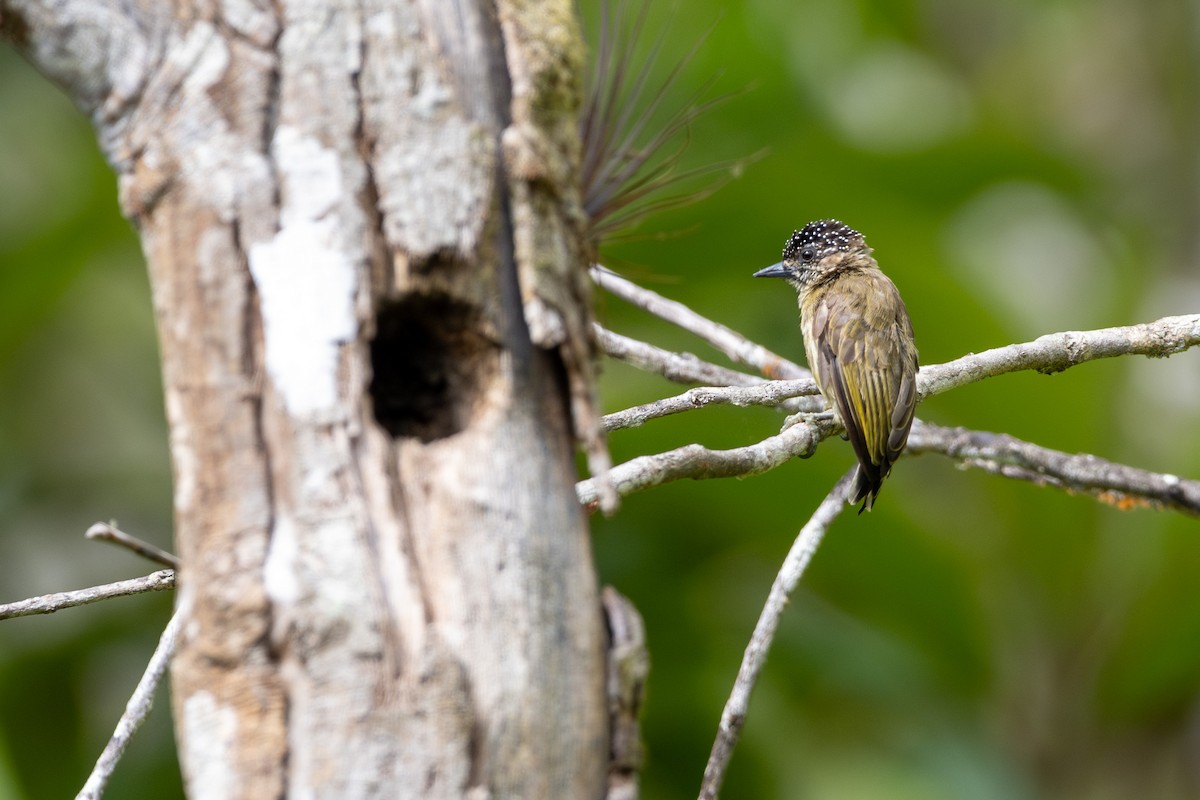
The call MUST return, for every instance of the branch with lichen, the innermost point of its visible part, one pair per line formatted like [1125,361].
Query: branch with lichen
[699,463]
[677,367]
[108,532]
[772,393]
[724,339]
[1117,484]
[57,601]
[142,699]
[1056,352]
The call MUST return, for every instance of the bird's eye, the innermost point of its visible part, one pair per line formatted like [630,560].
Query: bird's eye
[808,254]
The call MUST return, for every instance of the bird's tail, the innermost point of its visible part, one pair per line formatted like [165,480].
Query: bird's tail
[866,487]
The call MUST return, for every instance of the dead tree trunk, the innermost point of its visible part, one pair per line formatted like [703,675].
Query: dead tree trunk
[363,233]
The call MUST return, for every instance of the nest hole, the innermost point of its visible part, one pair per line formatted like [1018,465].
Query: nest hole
[430,367]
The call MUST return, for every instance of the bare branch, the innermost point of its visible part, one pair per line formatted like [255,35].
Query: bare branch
[1119,485]
[1048,354]
[108,532]
[677,367]
[136,711]
[1116,484]
[1055,352]
[1122,486]
[773,393]
[734,714]
[728,341]
[699,463]
[49,603]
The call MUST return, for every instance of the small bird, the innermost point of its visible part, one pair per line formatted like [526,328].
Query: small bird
[859,343]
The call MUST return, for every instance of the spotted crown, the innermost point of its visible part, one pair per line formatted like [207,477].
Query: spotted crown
[827,236]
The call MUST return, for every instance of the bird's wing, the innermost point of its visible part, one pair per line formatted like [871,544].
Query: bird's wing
[866,362]
[834,344]
[906,395]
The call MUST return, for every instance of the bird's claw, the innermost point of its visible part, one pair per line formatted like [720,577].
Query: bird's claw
[807,416]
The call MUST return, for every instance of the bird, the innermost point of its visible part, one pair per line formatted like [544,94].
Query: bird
[859,343]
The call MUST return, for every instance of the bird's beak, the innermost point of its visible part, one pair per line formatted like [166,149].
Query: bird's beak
[774,271]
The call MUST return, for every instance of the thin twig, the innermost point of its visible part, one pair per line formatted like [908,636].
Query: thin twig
[1122,486]
[1051,353]
[797,560]
[702,396]
[700,463]
[677,367]
[727,340]
[136,711]
[1048,354]
[49,603]
[109,532]
[1118,485]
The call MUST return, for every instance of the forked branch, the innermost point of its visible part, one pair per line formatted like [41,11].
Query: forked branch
[1120,485]
[1117,484]
[49,603]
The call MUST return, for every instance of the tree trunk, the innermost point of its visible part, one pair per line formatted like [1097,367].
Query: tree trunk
[363,233]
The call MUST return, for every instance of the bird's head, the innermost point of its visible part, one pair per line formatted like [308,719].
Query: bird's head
[818,252]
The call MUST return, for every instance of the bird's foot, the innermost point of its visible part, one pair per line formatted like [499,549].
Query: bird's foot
[806,417]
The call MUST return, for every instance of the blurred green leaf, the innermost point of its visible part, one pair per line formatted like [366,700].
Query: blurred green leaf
[1019,168]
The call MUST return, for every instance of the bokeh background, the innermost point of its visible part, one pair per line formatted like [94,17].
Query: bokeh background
[1020,168]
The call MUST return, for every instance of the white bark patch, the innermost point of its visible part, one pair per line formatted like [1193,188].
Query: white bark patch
[210,148]
[182,453]
[305,281]
[250,19]
[432,197]
[279,572]
[207,55]
[210,731]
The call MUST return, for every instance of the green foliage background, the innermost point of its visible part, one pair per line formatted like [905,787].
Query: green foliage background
[1020,168]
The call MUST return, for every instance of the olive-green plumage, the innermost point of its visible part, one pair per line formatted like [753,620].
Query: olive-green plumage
[859,343]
